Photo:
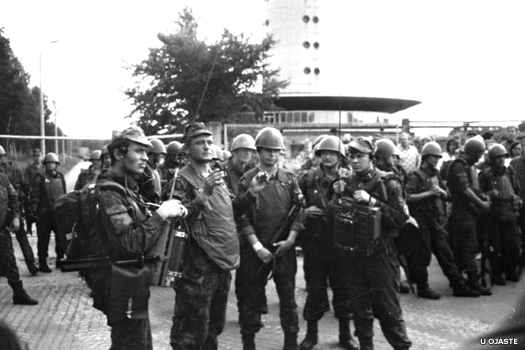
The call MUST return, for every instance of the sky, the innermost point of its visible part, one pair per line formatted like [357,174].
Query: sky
[464,59]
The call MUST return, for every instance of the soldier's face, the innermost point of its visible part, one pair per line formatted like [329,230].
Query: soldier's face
[329,158]
[51,166]
[499,161]
[37,158]
[135,158]
[433,161]
[269,157]
[244,155]
[3,159]
[200,149]
[360,162]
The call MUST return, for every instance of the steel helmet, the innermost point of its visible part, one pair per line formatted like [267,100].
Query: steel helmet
[51,158]
[384,148]
[474,146]
[243,141]
[104,151]
[318,139]
[217,152]
[431,148]
[95,155]
[174,147]
[497,150]
[157,146]
[330,143]
[269,138]
[2,151]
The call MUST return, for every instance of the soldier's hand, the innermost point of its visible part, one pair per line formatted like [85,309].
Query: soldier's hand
[265,255]
[339,186]
[362,196]
[283,246]
[313,212]
[214,178]
[15,225]
[256,185]
[485,205]
[172,209]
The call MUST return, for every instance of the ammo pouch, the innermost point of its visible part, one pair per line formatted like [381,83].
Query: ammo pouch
[356,227]
[129,292]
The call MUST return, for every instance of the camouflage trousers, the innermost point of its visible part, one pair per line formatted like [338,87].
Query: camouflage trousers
[253,276]
[200,307]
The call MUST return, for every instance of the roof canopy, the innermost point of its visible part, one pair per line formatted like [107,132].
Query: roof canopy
[345,103]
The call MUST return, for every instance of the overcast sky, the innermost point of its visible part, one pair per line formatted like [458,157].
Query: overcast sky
[464,59]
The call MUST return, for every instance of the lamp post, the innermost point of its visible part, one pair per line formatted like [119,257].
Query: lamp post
[56,128]
[42,116]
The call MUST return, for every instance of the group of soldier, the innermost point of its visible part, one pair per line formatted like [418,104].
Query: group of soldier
[249,216]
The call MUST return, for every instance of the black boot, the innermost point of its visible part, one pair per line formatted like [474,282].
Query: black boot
[366,344]
[20,296]
[33,269]
[428,293]
[290,341]
[42,265]
[473,283]
[460,289]
[345,337]
[311,339]
[248,341]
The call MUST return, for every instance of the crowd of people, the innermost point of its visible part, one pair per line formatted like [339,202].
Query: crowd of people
[245,210]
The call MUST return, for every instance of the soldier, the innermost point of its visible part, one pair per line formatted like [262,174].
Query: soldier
[9,204]
[151,182]
[49,185]
[18,180]
[266,211]
[243,147]
[372,263]
[426,196]
[323,264]
[105,157]
[86,175]
[32,169]
[501,185]
[466,207]
[518,164]
[172,160]
[131,231]
[212,249]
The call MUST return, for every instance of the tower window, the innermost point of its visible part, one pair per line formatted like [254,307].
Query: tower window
[317,71]
[316,45]
[307,70]
[306,19]
[306,44]
[315,19]
[267,22]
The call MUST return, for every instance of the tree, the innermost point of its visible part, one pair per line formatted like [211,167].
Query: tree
[19,106]
[187,79]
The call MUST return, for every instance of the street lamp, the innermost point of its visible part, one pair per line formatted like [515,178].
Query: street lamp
[42,117]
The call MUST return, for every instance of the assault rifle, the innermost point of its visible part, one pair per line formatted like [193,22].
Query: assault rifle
[285,227]
[100,261]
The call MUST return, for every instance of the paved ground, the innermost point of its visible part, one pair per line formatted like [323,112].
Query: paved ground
[65,320]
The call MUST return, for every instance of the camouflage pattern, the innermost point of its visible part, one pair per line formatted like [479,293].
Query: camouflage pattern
[85,177]
[8,264]
[201,298]
[202,292]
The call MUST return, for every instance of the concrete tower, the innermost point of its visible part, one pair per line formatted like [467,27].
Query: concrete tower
[295,24]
